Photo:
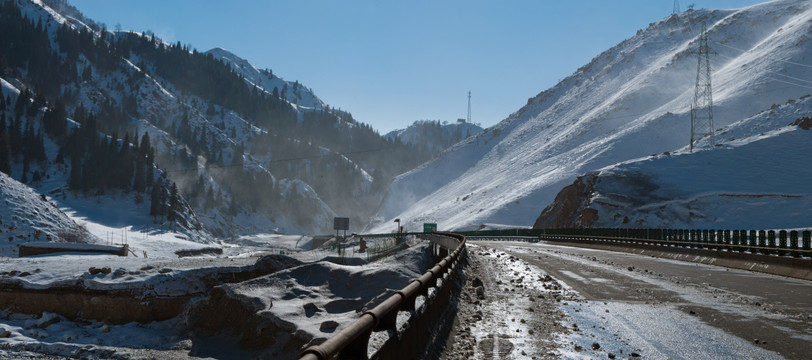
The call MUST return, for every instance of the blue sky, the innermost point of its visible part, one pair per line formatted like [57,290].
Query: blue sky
[393,62]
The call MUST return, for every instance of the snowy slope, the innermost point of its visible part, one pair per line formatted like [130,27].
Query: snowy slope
[295,94]
[418,134]
[629,102]
[26,216]
[753,180]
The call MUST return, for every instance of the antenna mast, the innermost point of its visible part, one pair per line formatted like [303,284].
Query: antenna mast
[469,107]
[702,107]
[676,7]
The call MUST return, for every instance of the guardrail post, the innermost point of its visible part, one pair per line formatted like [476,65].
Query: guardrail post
[352,342]
[742,240]
[357,349]
[410,299]
[762,241]
[753,241]
[771,240]
[727,240]
[793,243]
[703,238]
[807,240]
[782,242]
[707,238]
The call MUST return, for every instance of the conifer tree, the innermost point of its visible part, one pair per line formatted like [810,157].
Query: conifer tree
[5,153]
[75,182]
[174,210]
[24,178]
[139,180]
[146,156]
[155,201]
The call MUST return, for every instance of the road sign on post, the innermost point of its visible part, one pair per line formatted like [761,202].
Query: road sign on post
[429,227]
[341,223]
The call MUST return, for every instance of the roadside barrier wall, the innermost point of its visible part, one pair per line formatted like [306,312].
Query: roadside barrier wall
[407,341]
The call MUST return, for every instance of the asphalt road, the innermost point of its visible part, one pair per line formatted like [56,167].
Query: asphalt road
[673,309]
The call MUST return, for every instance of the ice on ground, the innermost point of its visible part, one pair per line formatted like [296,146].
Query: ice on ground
[653,332]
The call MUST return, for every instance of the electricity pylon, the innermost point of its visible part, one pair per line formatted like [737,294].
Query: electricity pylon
[676,7]
[702,107]
[469,107]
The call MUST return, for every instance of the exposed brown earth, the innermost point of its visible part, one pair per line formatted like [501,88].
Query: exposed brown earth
[571,206]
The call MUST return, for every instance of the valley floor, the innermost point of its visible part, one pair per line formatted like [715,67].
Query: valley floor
[519,301]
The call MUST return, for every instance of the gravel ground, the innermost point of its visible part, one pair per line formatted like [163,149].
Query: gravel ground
[507,309]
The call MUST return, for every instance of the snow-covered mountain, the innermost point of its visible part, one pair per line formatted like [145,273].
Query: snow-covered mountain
[219,138]
[628,103]
[246,150]
[293,92]
[434,136]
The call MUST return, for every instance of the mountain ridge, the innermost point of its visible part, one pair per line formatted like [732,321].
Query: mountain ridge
[627,103]
[244,158]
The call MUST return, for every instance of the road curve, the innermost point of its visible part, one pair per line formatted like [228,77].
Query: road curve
[615,304]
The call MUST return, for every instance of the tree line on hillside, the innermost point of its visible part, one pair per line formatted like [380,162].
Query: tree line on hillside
[97,164]
[433,136]
[326,148]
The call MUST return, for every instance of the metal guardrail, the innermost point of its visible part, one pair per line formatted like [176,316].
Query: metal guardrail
[353,340]
[762,242]
[796,243]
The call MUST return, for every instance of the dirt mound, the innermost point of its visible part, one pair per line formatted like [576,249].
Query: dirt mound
[571,206]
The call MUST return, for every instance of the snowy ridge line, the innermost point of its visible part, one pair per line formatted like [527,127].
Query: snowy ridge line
[353,340]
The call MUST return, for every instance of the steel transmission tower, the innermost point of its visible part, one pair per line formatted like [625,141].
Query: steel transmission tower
[469,107]
[676,7]
[702,107]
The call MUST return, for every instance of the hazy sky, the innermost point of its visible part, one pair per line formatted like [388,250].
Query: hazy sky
[393,62]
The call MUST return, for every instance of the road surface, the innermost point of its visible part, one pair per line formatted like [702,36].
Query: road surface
[548,301]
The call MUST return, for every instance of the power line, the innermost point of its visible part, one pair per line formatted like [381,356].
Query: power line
[770,56]
[272,161]
[720,65]
[765,70]
[777,73]
[691,28]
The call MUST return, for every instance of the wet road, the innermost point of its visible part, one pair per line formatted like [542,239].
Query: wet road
[672,309]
